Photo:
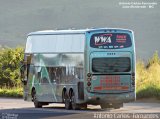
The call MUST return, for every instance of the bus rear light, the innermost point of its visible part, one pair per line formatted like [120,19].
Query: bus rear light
[133,76]
[89,75]
[88,83]
[88,79]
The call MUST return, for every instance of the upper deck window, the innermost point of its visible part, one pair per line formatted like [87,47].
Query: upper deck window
[110,40]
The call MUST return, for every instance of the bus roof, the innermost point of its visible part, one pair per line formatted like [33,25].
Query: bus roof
[74,31]
[52,32]
[56,41]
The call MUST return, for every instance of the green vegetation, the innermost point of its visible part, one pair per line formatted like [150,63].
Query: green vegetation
[10,83]
[9,66]
[147,75]
[11,92]
[148,78]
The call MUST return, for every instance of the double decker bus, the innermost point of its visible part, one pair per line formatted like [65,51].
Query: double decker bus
[80,67]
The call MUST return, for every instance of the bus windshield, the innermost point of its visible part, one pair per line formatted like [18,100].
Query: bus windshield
[110,40]
[111,65]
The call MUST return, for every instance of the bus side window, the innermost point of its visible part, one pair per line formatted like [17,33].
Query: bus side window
[39,76]
[59,75]
[52,74]
[79,72]
[44,80]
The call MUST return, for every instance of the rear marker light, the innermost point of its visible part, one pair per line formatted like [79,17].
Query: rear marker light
[133,79]
[133,76]
[88,83]
[89,74]
[88,79]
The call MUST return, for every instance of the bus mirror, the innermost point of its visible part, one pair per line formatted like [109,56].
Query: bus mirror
[24,82]
[22,70]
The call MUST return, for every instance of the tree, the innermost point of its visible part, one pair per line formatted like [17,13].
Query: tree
[9,66]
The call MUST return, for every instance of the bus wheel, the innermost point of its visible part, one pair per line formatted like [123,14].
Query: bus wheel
[73,102]
[105,106]
[63,96]
[83,106]
[67,102]
[117,105]
[37,104]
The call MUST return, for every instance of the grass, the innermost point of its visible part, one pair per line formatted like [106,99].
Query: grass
[11,92]
[148,81]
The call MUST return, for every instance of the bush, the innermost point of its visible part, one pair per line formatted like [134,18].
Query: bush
[14,92]
[9,66]
[148,78]
[10,83]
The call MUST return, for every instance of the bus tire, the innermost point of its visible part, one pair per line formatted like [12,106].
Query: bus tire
[63,96]
[37,104]
[73,102]
[105,106]
[118,105]
[83,106]
[67,102]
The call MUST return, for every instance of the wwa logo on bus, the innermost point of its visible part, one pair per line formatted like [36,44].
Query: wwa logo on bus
[102,39]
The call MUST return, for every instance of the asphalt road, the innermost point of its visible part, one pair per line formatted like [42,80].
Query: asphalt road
[19,109]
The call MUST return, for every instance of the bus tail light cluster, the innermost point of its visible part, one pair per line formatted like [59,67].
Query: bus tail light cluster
[133,78]
[89,76]
[88,83]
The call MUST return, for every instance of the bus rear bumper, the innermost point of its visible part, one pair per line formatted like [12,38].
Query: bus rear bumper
[97,98]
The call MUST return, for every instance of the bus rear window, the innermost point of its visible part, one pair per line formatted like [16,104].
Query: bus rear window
[111,65]
[110,40]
